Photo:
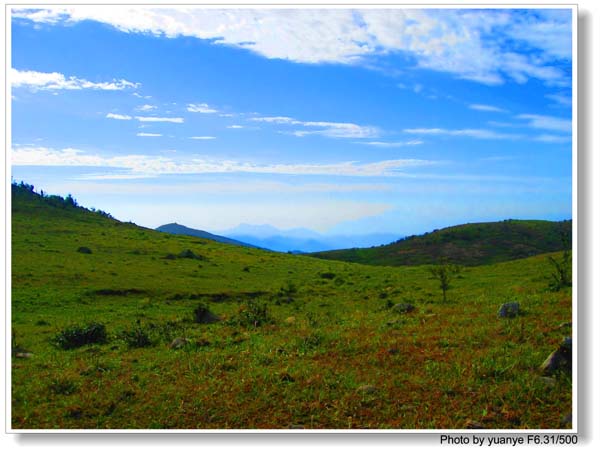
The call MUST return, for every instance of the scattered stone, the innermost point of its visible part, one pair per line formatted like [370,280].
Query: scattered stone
[510,310]
[25,355]
[560,359]
[290,320]
[366,389]
[403,308]
[473,425]
[178,343]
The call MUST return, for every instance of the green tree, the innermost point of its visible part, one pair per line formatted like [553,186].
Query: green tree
[445,273]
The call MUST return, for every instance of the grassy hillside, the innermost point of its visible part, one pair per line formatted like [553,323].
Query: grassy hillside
[303,342]
[470,244]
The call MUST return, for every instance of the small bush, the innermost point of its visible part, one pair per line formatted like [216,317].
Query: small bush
[328,275]
[191,255]
[85,250]
[136,338]
[252,314]
[78,336]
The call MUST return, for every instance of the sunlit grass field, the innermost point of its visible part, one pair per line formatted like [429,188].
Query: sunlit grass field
[303,342]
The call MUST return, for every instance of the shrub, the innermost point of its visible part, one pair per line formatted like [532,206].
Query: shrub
[78,336]
[136,338]
[191,255]
[328,275]
[561,275]
[252,314]
[85,250]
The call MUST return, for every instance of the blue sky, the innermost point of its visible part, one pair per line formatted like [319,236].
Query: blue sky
[342,121]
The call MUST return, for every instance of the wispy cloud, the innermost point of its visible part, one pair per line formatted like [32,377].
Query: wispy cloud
[43,81]
[561,99]
[201,108]
[328,129]
[144,118]
[482,46]
[487,108]
[149,134]
[203,138]
[159,165]
[236,127]
[159,119]
[552,139]
[467,132]
[547,122]
[118,116]
[146,108]
[392,144]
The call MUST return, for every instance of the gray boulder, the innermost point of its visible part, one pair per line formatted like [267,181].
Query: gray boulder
[560,360]
[510,310]
[178,343]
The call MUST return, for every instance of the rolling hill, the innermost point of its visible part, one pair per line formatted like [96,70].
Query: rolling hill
[106,334]
[470,244]
[175,228]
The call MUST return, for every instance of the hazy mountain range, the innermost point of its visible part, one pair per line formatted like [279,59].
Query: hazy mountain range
[296,240]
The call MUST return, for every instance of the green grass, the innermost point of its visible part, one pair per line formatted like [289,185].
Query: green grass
[470,244]
[322,338]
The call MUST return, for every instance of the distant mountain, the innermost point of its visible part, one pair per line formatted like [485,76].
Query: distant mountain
[175,228]
[302,240]
[469,244]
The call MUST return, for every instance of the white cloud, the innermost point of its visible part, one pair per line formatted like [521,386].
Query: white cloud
[393,144]
[149,134]
[552,139]
[468,132]
[561,99]
[146,108]
[236,127]
[159,119]
[159,165]
[329,129]
[487,108]
[547,122]
[479,45]
[203,138]
[118,116]
[42,81]
[201,108]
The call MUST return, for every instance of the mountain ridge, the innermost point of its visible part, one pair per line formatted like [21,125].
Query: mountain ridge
[467,244]
[176,228]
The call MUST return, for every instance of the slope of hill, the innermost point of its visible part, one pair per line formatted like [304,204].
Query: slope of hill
[303,342]
[175,228]
[469,244]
